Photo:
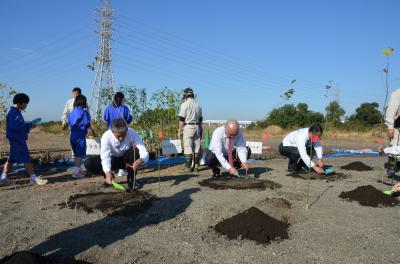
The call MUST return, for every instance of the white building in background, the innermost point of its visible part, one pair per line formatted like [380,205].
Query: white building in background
[242,124]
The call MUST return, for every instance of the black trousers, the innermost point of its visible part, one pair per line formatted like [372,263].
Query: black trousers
[295,162]
[93,163]
[212,161]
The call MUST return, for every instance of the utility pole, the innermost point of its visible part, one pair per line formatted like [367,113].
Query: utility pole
[104,85]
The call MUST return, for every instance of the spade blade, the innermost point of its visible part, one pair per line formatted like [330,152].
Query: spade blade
[118,186]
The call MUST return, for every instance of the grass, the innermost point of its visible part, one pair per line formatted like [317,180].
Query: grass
[276,132]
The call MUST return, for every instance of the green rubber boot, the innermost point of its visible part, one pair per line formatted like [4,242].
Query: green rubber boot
[196,162]
[188,163]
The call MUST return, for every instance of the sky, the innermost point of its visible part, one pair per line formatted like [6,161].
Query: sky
[238,56]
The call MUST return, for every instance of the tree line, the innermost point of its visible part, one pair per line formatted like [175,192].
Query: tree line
[366,115]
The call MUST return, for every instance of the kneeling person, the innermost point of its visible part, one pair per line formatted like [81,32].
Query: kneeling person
[298,144]
[121,148]
[228,148]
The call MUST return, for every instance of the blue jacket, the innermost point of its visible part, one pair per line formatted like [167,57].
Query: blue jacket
[79,121]
[17,128]
[112,113]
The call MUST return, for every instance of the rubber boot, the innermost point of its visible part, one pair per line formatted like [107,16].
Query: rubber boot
[196,162]
[188,163]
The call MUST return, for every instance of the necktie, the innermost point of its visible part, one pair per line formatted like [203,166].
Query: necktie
[230,158]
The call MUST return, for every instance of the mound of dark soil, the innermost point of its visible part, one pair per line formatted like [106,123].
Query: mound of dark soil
[315,176]
[126,203]
[24,257]
[357,166]
[254,225]
[369,196]
[230,182]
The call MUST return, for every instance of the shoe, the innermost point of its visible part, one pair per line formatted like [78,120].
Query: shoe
[105,185]
[38,180]
[5,181]
[216,173]
[138,185]
[122,173]
[187,170]
[390,173]
[78,175]
[196,168]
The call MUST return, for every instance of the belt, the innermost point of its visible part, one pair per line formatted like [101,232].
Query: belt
[193,124]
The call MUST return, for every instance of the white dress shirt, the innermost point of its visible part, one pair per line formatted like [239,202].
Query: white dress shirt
[299,139]
[219,146]
[393,109]
[69,106]
[392,150]
[112,147]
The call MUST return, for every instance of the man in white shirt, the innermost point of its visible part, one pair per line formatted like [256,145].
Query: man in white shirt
[69,106]
[228,148]
[299,144]
[393,112]
[121,148]
[393,151]
[391,117]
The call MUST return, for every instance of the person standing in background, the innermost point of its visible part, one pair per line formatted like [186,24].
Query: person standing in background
[69,106]
[190,121]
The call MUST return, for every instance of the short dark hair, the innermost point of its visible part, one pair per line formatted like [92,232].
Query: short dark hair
[78,90]
[188,93]
[118,97]
[80,101]
[119,126]
[21,98]
[315,128]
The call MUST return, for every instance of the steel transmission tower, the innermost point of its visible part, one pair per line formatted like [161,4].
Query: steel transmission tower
[103,85]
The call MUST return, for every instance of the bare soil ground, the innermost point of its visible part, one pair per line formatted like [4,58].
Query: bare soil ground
[177,222]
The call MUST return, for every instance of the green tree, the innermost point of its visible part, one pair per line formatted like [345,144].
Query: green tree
[367,114]
[334,112]
[289,116]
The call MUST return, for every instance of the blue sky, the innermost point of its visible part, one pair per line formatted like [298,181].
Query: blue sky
[239,56]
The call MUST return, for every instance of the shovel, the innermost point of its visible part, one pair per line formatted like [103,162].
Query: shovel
[118,186]
[389,192]
[328,171]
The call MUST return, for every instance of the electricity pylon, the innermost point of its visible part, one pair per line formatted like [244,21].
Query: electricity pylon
[104,85]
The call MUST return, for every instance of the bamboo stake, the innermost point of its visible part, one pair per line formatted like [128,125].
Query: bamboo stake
[309,178]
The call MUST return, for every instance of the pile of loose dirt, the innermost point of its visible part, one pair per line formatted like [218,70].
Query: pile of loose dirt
[230,182]
[315,176]
[24,257]
[111,202]
[254,225]
[357,166]
[369,196]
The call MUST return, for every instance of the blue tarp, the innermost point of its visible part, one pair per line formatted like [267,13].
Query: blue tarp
[166,161]
[348,152]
